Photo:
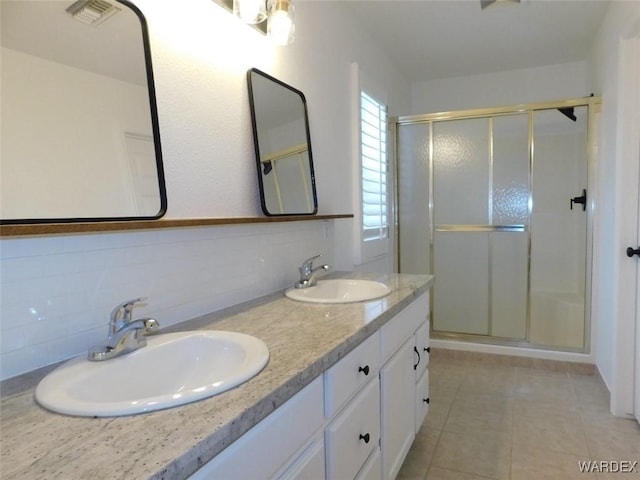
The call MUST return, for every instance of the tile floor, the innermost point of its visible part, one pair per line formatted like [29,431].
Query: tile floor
[494,421]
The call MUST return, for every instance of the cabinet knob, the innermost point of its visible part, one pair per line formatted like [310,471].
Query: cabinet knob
[365,437]
[428,349]
[425,400]
[631,252]
[364,369]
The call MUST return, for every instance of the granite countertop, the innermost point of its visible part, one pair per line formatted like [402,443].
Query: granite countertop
[304,339]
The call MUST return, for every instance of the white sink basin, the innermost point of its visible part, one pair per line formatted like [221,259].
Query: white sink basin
[173,369]
[339,290]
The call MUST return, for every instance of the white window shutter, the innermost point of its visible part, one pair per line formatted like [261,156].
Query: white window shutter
[374,169]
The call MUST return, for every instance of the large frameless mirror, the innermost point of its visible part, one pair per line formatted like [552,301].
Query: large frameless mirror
[79,131]
[283,146]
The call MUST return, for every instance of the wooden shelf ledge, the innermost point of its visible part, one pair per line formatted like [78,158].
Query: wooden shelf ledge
[32,229]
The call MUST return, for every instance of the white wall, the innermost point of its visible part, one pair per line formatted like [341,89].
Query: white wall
[615,227]
[552,82]
[57,292]
[201,55]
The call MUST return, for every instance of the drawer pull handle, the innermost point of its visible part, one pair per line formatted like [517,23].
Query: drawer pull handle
[425,400]
[365,437]
[415,349]
[428,349]
[364,370]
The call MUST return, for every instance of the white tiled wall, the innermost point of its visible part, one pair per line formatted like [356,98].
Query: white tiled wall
[56,293]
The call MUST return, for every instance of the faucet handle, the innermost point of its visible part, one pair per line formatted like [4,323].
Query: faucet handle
[123,312]
[308,263]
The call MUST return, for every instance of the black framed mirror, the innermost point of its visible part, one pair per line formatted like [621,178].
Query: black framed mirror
[282,145]
[80,140]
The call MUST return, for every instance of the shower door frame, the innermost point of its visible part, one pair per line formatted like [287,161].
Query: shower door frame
[593,105]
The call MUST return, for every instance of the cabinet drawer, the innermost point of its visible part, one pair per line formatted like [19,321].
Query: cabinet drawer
[354,434]
[422,400]
[304,410]
[372,470]
[403,325]
[422,346]
[348,376]
[309,465]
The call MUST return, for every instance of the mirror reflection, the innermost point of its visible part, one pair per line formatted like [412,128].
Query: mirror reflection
[79,132]
[283,146]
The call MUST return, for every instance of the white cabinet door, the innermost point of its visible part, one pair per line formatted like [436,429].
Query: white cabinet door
[398,387]
[422,352]
[422,400]
[422,349]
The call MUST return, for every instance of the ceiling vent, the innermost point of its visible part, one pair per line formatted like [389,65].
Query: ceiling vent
[92,12]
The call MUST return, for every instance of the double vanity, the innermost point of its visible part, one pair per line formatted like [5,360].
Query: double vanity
[342,395]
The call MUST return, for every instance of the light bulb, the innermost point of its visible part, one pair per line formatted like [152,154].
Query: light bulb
[280,27]
[250,11]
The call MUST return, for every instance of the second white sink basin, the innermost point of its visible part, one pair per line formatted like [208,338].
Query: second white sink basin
[340,290]
[173,369]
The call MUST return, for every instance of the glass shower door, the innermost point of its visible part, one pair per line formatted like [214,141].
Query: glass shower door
[480,217]
[495,203]
[460,206]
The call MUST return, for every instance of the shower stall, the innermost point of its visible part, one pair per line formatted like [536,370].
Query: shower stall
[496,204]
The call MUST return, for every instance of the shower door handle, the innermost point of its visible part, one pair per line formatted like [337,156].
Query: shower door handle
[582,199]
[631,252]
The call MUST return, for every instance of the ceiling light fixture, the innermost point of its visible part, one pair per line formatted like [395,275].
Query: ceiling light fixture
[279,26]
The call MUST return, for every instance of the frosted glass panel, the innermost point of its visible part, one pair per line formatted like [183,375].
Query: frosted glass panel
[413,198]
[509,284]
[510,196]
[461,172]
[558,234]
[461,296]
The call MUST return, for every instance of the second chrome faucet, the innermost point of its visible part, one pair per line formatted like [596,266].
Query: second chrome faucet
[308,274]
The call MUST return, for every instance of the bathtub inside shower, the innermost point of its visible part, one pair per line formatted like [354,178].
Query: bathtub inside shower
[557,319]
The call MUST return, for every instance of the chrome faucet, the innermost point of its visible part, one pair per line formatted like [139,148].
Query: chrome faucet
[308,274]
[125,333]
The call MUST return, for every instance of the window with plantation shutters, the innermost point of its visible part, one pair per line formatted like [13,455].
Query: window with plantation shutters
[373,151]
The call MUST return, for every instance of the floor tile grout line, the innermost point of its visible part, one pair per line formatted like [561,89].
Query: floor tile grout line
[435,447]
